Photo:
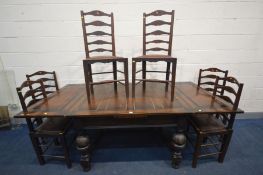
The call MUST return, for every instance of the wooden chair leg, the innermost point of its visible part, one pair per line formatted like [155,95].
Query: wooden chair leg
[37,149]
[167,75]
[41,140]
[126,72]
[87,80]
[91,79]
[198,143]
[133,78]
[173,79]
[143,74]
[114,64]
[224,147]
[66,151]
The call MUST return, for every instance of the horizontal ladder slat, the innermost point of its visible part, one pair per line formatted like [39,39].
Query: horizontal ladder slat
[157,49]
[99,33]
[158,32]
[100,50]
[96,13]
[158,13]
[157,41]
[158,23]
[97,23]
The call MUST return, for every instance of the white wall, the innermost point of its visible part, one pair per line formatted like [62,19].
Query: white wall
[47,35]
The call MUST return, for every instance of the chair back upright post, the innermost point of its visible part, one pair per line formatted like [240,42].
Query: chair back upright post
[113,35]
[171,34]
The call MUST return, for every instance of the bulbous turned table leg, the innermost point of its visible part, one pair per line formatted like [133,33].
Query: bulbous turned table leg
[178,143]
[83,145]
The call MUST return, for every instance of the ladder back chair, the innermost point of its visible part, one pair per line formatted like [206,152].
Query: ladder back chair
[214,132]
[51,129]
[151,29]
[207,78]
[97,44]
[49,80]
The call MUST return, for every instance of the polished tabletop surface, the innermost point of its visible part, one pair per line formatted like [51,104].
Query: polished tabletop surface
[71,101]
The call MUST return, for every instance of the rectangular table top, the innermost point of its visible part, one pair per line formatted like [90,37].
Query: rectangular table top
[71,101]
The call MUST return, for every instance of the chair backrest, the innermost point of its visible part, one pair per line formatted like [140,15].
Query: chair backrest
[29,93]
[49,80]
[231,93]
[207,78]
[106,38]
[152,27]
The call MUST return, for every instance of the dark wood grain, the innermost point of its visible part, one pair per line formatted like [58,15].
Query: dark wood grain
[71,101]
[151,107]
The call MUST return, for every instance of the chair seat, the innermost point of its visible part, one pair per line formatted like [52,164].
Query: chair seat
[207,123]
[154,57]
[95,59]
[54,126]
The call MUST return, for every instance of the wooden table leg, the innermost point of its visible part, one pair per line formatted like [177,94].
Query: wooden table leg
[178,143]
[83,145]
